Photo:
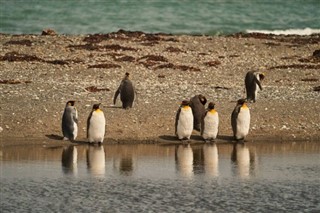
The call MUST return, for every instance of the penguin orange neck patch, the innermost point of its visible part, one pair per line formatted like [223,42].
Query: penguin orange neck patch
[98,110]
[212,111]
[244,106]
[185,107]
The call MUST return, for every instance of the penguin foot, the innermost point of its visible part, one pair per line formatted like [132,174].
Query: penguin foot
[65,138]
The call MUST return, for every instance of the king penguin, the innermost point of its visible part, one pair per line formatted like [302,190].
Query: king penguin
[184,121]
[210,123]
[70,122]
[253,81]
[197,104]
[126,91]
[240,120]
[96,125]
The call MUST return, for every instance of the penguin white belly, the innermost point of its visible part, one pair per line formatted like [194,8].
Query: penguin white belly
[211,125]
[185,123]
[97,127]
[75,130]
[243,123]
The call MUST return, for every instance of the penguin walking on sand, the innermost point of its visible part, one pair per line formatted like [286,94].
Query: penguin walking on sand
[126,91]
[70,122]
[210,123]
[253,81]
[197,104]
[240,120]
[184,121]
[96,125]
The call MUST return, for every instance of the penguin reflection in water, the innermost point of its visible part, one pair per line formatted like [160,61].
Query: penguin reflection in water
[184,121]
[240,120]
[126,91]
[96,125]
[253,81]
[70,122]
[210,124]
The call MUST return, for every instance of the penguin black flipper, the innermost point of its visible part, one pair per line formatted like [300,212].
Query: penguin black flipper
[234,117]
[177,119]
[202,123]
[88,123]
[257,82]
[117,94]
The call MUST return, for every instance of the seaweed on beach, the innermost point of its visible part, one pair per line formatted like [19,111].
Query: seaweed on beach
[105,66]
[310,79]
[173,49]
[214,63]
[125,58]
[15,56]
[316,89]
[24,42]
[297,66]
[153,58]
[117,47]
[96,89]
[180,67]
[12,81]
[296,40]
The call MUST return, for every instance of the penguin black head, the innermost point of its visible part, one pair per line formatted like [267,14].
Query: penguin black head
[241,101]
[211,105]
[202,99]
[70,103]
[185,103]
[261,76]
[127,74]
[96,106]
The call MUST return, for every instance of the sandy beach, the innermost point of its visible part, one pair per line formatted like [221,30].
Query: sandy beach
[40,73]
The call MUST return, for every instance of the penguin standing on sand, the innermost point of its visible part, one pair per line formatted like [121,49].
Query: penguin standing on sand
[184,121]
[210,123]
[96,125]
[126,91]
[70,122]
[240,120]
[253,81]
[197,104]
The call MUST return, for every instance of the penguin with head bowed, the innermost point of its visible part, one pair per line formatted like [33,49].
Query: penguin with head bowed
[240,120]
[253,81]
[197,104]
[126,91]
[210,123]
[96,125]
[70,122]
[184,121]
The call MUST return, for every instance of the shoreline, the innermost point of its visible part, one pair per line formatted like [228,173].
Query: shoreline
[41,73]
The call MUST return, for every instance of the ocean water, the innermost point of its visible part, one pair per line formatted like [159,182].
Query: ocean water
[209,17]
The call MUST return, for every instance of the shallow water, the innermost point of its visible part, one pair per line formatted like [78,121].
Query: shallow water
[170,16]
[263,177]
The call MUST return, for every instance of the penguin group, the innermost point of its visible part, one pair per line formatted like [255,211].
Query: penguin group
[191,115]
[96,121]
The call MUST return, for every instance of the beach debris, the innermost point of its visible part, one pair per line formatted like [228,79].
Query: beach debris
[173,49]
[213,63]
[24,42]
[106,66]
[297,66]
[316,89]
[12,81]
[49,32]
[316,53]
[15,56]
[96,89]
[180,67]
[310,79]
[125,58]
